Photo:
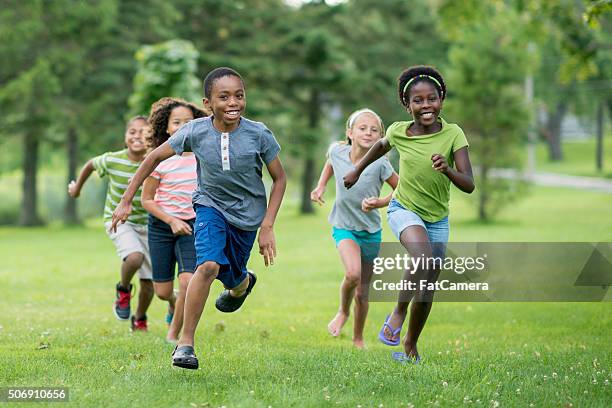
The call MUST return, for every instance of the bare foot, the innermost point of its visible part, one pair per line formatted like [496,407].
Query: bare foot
[359,343]
[335,326]
[411,351]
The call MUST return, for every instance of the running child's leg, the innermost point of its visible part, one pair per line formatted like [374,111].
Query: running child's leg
[145,297]
[165,291]
[130,265]
[362,304]
[197,293]
[179,308]
[350,253]
[416,241]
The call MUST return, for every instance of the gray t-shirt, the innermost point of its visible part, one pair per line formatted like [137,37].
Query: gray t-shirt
[346,212]
[229,167]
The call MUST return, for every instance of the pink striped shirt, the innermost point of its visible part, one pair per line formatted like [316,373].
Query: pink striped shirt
[177,179]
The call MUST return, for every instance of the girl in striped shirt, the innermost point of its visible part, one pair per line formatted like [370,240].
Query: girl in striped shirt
[166,195]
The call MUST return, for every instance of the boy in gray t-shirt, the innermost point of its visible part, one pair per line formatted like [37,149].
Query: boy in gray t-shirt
[354,216]
[230,200]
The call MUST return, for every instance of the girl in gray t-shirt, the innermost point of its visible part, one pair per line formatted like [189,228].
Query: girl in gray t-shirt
[354,216]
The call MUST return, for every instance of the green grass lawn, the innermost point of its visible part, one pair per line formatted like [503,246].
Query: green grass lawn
[579,158]
[57,327]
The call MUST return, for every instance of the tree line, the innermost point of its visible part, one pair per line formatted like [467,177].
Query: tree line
[71,72]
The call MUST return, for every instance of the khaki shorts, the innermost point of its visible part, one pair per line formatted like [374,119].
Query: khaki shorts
[131,238]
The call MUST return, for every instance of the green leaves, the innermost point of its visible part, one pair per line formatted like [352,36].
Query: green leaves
[165,69]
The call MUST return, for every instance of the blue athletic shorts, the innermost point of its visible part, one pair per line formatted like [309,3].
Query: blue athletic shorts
[218,241]
[369,242]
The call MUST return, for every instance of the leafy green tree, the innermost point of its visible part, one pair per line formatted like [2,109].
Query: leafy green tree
[165,69]
[487,66]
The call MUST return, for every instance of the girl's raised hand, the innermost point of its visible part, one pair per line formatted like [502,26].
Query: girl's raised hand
[350,179]
[369,204]
[73,191]
[317,195]
[439,163]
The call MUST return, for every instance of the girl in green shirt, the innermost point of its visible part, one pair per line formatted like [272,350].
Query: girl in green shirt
[433,153]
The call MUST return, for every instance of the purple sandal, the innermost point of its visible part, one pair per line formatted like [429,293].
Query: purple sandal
[402,358]
[394,332]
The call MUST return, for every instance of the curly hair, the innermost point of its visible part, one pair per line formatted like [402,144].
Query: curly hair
[416,74]
[160,114]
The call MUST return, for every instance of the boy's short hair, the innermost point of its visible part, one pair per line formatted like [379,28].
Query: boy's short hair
[216,74]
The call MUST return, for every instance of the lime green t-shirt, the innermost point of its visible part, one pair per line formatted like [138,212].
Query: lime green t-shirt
[119,169]
[421,188]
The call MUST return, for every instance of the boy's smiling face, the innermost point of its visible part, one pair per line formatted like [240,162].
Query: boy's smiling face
[227,102]
[135,136]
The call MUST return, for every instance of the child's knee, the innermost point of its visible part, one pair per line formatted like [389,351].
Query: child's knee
[361,294]
[209,270]
[164,292]
[135,259]
[352,278]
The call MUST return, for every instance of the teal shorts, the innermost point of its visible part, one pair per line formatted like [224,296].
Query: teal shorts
[369,242]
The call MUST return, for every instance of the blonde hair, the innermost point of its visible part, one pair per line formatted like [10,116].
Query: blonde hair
[350,122]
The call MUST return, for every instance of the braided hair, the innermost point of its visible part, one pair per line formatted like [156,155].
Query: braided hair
[160,114]
[416,74]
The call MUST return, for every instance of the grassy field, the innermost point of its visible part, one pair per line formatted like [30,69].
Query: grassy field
[579,158]
[57,328]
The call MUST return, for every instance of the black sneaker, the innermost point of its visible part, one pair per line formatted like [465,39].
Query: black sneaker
[121,308]
[227,303]
[184,357]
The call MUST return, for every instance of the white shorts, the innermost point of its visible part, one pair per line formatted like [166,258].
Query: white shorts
[131,238]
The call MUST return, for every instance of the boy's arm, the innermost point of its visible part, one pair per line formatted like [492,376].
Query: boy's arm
[74,187]
[149,164]
[178,226]
[317,194]
[377,151]
[267,244]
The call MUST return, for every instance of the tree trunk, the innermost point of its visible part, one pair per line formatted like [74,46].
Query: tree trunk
[72,145]
[308,176]
[29,215]
[553,134]
[483,197]
[599,137]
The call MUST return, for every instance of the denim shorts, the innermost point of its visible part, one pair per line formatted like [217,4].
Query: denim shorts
[401,218]
[218,241]
[169,250]
[369,242]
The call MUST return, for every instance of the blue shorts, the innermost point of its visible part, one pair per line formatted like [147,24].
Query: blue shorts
[401,218]
[168,250]
[218,241]
[369,242]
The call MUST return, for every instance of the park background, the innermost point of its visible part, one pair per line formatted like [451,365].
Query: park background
[529,82]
